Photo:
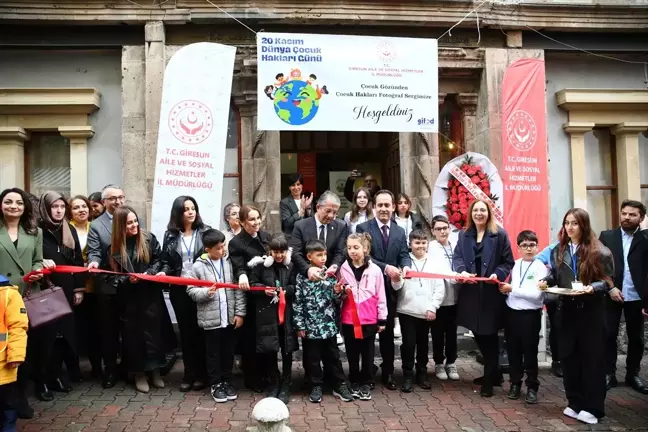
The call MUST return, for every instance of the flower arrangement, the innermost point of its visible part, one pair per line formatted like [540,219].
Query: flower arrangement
[459,198]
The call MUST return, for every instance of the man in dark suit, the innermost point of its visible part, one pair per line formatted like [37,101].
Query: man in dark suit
[294,207]
[333,232]
[322,226]
[389,251]
[629,246]
[99,239]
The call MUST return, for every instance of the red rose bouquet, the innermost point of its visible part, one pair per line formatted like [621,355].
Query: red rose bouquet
[459,198]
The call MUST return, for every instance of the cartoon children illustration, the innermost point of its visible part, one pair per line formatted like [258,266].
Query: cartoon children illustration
[312,78]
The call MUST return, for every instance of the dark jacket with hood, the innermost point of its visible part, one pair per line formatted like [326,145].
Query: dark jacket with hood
[272,274]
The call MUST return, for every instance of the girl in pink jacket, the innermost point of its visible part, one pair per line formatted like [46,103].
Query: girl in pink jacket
[365,282]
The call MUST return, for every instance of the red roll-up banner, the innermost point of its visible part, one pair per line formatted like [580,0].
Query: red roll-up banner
[524,150]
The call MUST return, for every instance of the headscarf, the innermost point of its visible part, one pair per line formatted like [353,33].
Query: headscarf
[45,211]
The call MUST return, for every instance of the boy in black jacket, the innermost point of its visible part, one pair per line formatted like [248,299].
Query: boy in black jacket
[275,271]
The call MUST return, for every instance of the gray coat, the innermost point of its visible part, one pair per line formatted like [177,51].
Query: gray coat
[208,307]
[97,250]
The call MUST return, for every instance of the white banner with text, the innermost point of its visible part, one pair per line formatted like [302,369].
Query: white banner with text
[347,83]
[193,131]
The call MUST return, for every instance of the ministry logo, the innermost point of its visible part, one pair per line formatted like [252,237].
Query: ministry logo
[190,121]
[521,130]
[386,52]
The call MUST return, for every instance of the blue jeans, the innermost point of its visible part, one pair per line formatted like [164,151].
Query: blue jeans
[8,423]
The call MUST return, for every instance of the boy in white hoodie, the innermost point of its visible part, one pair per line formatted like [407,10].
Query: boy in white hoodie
[523,317]
[418,301]
[444,328]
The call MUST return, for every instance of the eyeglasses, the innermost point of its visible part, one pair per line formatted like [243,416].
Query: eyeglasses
[528,246]
[442,228]
[115,199]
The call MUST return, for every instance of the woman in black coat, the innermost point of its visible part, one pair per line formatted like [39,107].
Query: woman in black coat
[483,250]
[61,246]
[181,247]
[147,333]
[272,337]
[251,242]
[580,320]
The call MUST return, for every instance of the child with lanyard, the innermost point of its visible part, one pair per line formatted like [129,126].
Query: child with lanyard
[524,317]
[220,311]
[417,305]
[444,327]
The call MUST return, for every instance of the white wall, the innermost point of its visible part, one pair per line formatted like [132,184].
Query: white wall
[579,71]
[99,69]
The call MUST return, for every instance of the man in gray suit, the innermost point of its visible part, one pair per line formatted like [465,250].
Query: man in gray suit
[98,251]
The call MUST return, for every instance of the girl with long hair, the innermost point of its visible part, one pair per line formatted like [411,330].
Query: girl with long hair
[581,262]
[483,250]
[143,313]
[182,246]
[57,342]
[361,211]
[406,218]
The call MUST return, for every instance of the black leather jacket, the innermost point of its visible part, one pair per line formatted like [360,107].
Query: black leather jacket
[170,254]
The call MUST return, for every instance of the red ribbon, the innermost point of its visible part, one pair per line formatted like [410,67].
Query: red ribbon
[355,316]
[172,280]
[422,275]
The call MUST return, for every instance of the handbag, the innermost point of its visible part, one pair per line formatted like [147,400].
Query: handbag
[46,305]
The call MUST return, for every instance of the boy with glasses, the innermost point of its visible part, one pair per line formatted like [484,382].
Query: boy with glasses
[523,317]
[444,328]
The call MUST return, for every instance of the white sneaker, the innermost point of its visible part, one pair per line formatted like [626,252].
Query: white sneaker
[340,340]
[451,370]
[440,372]
[586,417]
[570,413]
[397,330]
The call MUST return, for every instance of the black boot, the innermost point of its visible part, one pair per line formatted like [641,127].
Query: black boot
[58,385]
[43,393]
[23,409]
[422,379]
[284,390]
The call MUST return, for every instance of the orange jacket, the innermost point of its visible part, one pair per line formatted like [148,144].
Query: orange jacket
[13,332]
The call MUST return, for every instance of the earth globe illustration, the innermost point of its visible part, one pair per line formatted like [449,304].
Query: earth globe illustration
[295,102]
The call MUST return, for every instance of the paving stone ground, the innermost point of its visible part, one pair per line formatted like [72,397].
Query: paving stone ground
[448,406]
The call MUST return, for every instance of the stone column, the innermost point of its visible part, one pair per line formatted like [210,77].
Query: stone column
[419,153]
[260,167]
[154,36]
[133,126]
[12,156]
[577,131]
[489,111]
[78,136]
[627,155]
[468,104]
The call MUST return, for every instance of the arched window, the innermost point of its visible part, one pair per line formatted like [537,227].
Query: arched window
[451,142]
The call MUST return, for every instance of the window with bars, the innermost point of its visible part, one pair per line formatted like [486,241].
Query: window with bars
[47,163]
